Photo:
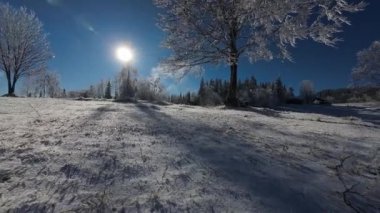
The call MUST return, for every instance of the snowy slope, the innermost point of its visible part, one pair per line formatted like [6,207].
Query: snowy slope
[78,156]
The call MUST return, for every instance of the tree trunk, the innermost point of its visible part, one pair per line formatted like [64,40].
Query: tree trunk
[11,90]
[9,85]
[232,99]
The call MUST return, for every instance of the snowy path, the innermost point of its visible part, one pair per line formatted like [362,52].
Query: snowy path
[72,156]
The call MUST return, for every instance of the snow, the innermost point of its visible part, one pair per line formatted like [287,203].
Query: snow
[64,155]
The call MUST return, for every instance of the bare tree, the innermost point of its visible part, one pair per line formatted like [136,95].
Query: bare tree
[29,86]
[222,31]
[150,89]
[52,85]
[24,48]
[100,89]
[307,92]
[367,70]
[92,92]
[44,84]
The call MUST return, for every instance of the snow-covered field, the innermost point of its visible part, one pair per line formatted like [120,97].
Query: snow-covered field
[82,156]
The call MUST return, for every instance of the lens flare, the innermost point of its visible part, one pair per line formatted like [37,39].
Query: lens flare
[124,54]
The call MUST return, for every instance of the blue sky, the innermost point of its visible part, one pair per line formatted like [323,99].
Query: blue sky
[84,34]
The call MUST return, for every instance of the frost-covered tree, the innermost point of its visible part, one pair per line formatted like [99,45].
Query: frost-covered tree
[367,70]
[116,86]
[44,84]
[29,86]
[53,84]
[150,89]
[92,93]
[127,82]
[64,93]
[48,83]
[24,49]
[307,91]
[144,90]
[223,31]
[100,89]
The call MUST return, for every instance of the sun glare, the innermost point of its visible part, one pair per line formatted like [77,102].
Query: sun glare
[124,54]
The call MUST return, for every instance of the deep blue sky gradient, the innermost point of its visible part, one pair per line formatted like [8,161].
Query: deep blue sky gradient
[84,34]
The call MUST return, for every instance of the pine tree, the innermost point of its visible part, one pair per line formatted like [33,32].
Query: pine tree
[180,101]
[130,87]
[188,98]
[239,85]
[92,92]
[217,87]
[201,87]
[107,94]
[290,92]
[280,90]
[253,83]
[100,90]
[116,88]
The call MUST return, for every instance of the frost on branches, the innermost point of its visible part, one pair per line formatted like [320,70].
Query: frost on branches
[367,70]
[24,49]
[222,31]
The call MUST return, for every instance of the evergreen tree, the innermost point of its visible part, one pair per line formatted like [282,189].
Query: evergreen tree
[100,89]
[201,87]
[280,90]
[127,83]
[188,98]
[116,88]
[92,92]
[180,101]
[253,83]
[290,92]
[107,94]
[130,87]
[217,86]
[212,85]
[239,85]
[225,88]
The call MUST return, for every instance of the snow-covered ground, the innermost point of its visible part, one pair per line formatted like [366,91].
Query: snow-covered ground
[78,156]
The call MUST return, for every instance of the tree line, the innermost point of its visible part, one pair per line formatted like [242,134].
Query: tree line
[250,92]
[126,86]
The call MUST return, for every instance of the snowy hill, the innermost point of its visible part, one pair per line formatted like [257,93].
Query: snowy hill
[63,155]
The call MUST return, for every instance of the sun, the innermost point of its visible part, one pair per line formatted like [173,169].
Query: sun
[124,54]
